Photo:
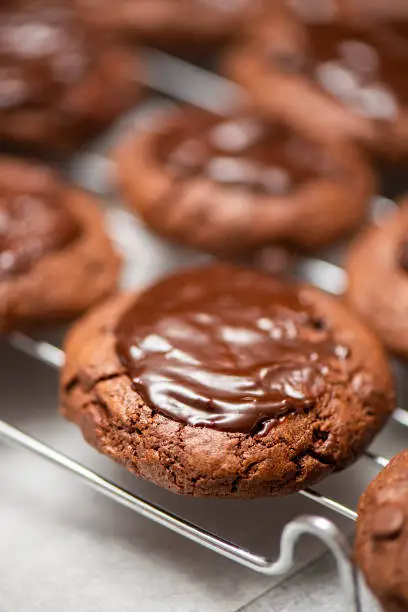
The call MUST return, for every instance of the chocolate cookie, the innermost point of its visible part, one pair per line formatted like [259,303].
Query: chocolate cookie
[382,535]
[223,382]
[55,259]
[234,184]
[60,82]
[173,23]
[377,270]
[333,79]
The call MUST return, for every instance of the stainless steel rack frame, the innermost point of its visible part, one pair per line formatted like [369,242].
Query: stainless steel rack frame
[188,83]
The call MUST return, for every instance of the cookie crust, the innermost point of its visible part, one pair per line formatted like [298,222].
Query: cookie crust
[377,282]
[210,216]
[58,94]
[295,97]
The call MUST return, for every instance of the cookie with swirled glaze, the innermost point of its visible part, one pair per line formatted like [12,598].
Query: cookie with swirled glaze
[225,382]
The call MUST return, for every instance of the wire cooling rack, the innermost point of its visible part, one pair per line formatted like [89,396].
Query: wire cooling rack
[181,81]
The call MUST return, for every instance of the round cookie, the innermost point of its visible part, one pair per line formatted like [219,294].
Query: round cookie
[179,24]
[233,184]
[334,79]
[382,535]
[377,268]
[61,83]
[224,382]
[55,258]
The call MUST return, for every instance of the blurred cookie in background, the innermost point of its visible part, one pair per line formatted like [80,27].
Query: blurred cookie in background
[55,257]
[229,185]
[224,382]
[377,269]
[60,82]
[174,24]
[331,77]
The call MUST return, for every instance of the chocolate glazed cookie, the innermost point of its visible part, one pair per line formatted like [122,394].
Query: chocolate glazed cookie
[223,382]
[173,23]
[232,184]
[55,259]
[60,82]
[334,79]
[382,535]
[377,269]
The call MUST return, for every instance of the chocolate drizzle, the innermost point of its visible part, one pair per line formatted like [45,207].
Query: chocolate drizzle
[33,222]
[242,153]
[226,348]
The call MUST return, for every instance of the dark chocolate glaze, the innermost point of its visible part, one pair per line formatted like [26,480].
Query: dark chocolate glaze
[43,51]
[241,152]
[32,223]
[227,348]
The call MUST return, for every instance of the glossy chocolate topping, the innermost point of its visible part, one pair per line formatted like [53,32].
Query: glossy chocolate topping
[241,152]
[227,348]
[33,222]
[42,52]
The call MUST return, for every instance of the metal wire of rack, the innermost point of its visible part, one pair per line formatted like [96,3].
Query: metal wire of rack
[186,82]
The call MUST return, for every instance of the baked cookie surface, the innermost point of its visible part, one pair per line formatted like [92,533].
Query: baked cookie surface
[382,535]
[331,77]
[61,83]
[233,184]
[224,382]
[55,258]
[377,269]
